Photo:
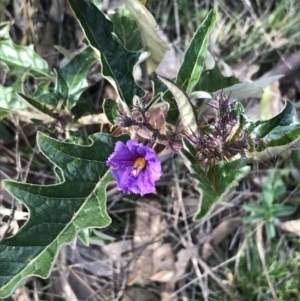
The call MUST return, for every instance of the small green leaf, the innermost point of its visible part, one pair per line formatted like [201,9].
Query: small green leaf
[268,193]
[4,30]
[70,82]
[266,103]
[41,88]
[275,127]
[189,153]
[188,145]
[295,157]
[201,94]
[117,62]
[254,217]
[237,129]
[274,147]
[184,106]
[245,90]
[84,235]
[214,184]
[10,100]
[213,81]
[126,29]
[20,58]
[192,66]
[57,212]
[110,108]
[158,88]
[3,114]
[152,42]
[254,208]
[270,229]
[72,79]
[38,106]
[283,210]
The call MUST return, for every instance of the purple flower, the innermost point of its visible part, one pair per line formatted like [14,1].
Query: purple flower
[134,167]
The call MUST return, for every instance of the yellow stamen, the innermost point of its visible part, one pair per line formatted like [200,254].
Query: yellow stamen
[139,163]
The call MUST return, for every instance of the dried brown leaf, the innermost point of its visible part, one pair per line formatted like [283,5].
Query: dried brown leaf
[155,258]
[290,226]
[224,229]
[81,288]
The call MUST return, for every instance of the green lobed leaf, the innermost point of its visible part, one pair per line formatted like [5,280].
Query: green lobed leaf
[275,127]
[57,212]
[84,236]
[10,100]
[193,62]
[276,134]
[152,42]
[245,90]
[215,183]
[213,81]
[192,66]
[37,105]
[117,62]
[126,29]
[20,58]
[274,147]
[110,108]
[72,80]
[41,88]
[184,106]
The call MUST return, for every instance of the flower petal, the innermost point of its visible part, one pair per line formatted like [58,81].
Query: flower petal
[124,170]
[121,157]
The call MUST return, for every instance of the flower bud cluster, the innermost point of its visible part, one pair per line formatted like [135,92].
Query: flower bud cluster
[217,140]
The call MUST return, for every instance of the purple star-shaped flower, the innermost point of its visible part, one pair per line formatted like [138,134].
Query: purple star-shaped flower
[134,167]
